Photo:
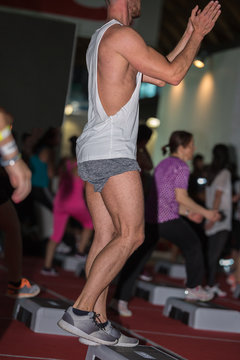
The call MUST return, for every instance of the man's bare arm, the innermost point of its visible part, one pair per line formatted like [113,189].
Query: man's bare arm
[155,66]
[186,36]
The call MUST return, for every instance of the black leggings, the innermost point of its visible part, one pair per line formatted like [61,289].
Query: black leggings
[216,245]
[180,233]
[176,231]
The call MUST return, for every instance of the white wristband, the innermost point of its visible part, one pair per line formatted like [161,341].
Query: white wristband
[8,148]
[5,133]
[10,162]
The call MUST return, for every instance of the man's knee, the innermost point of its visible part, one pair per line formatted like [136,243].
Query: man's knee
[140,238]
[104,235]
[132,237]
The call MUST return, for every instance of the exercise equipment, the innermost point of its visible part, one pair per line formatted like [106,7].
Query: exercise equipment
[158,293]
[236,293]
[72,263]
[203,315]
[139,352]
[41,315]
[173,270]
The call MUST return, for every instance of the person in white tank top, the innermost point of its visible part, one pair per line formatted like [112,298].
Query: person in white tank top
[118,60]
[108,136]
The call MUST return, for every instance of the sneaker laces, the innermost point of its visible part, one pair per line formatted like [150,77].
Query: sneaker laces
[97,321]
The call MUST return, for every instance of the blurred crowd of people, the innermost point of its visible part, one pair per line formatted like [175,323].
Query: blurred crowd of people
[197,211]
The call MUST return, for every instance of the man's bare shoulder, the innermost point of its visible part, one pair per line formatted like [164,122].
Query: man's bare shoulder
[121,35]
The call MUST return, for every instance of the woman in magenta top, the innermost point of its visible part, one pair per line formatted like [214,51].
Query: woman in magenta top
[169,199]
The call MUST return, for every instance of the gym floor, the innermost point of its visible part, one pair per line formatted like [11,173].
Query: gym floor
[17,341]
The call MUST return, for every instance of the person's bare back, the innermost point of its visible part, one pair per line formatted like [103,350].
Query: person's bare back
[116,76]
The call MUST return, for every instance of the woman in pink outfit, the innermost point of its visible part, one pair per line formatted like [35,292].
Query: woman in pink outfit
[69,201]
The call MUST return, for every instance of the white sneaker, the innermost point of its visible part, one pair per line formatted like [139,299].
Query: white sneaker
[198,293]
[145,277]
[82,257]
[49,272]
[216,290]
[121,307]
[63,248]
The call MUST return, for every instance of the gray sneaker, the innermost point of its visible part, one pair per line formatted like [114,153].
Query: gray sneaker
[25,290]
[123,340]
[86,326]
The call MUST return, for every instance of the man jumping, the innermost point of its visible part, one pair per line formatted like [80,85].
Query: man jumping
[118,61]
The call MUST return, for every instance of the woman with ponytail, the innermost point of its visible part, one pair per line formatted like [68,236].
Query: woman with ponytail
[169,199]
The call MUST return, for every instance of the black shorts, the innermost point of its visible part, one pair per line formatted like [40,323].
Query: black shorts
[6,189]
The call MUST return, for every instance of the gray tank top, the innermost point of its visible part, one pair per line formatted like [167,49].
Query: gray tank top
[107,137]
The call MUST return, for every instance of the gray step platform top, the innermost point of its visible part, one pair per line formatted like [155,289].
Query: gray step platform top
[71,263]
[41,315]
[203,315]
[139,352]
[157,293]
[173,270]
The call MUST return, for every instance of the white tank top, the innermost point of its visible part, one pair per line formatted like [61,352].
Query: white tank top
[107,137]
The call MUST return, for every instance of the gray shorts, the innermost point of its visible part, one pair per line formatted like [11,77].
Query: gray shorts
[97,172]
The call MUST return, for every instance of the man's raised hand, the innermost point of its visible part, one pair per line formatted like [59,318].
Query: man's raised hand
[203,21]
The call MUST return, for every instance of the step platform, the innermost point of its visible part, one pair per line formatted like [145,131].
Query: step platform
[139,352]
[72,263]
[236,293]
[173,270]
[203,316]
[60,257]
[158,293]
[41,315]
[80,269]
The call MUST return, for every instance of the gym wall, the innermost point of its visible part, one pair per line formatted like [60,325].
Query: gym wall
[36,57]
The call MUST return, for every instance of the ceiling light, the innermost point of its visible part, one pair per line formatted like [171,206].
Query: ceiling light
[153,123]
[199,63]
[68,109]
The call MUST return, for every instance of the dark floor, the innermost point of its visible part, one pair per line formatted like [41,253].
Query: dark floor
[148,323]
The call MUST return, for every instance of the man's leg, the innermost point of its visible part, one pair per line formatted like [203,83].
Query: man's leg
[103,234]
[117,211]
[122,198]
[135,264]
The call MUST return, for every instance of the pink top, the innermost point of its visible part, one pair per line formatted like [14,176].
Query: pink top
[161,205]
[71,187]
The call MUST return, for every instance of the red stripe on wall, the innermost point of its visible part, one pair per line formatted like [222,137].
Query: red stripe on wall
[63,7]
